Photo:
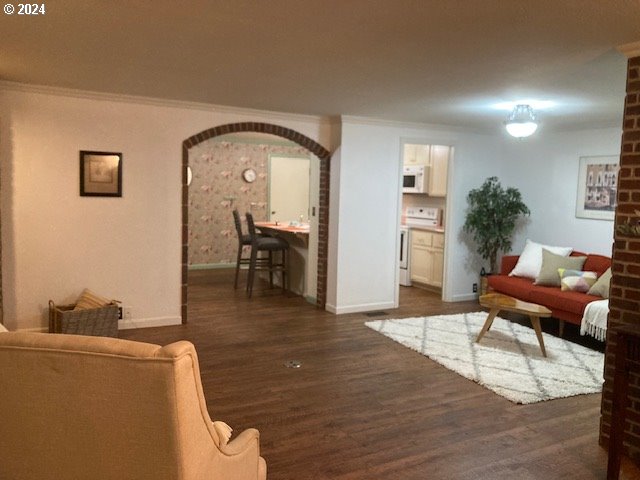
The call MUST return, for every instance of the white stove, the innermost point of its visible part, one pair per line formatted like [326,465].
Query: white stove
[415,217]
[422,217]
[405,272]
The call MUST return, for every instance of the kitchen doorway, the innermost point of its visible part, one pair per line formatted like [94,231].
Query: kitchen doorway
[426,170]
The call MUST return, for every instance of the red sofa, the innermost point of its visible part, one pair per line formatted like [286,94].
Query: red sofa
[565,306]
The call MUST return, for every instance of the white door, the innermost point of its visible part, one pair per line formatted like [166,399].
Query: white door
[288,188]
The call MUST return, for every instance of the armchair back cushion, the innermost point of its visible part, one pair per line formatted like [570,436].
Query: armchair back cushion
[107,408]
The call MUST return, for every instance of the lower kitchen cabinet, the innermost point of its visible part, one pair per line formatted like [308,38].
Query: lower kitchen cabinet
[427,257]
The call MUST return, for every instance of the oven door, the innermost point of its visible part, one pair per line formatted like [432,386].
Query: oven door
[404,248]
[405,265]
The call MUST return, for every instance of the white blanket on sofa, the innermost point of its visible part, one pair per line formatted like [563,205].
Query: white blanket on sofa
[594,320]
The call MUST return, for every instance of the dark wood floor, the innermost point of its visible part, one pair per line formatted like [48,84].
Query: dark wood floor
[362,406]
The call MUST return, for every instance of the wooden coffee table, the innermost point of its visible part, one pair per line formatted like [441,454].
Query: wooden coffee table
[497,302]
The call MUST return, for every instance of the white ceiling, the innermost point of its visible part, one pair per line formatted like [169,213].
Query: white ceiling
[435,61]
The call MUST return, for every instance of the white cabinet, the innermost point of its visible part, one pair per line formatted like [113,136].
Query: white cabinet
[439,163]
[427,257]
[409,154]
[436,157]
[416,154]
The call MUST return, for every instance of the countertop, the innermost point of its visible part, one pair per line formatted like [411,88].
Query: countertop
[427,229]
[284,227]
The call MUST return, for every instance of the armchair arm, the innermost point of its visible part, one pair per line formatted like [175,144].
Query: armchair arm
[240,458]
[247,440]
[223,430]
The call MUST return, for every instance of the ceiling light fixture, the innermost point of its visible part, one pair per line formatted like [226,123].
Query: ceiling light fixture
[522,121]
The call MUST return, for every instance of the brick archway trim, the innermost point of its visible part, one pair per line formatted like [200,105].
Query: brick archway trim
[323,206]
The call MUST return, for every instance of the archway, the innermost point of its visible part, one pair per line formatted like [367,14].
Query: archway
[323,207]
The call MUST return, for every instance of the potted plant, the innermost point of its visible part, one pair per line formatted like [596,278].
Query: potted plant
[491,218]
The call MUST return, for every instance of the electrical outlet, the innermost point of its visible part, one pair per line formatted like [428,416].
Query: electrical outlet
[120,312]
[128,314]
[475,288]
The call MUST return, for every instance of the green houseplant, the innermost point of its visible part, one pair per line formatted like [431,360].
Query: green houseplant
[491,218]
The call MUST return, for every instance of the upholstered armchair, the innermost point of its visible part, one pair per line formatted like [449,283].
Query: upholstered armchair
[76,407]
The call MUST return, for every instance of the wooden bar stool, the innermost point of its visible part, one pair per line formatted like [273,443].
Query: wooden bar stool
[260,243]
[243,240]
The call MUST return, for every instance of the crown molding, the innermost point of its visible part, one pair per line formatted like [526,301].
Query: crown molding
[631,50]
[160,102]
[413,125]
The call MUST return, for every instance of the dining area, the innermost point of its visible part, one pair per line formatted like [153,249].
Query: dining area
[280,249]
[253,213]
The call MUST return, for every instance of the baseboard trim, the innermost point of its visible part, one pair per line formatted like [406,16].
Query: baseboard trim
[148,322]
[125,324]
[464,297]
[210,266]
[365,307]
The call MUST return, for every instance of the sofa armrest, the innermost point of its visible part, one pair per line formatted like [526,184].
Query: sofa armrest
[508,263]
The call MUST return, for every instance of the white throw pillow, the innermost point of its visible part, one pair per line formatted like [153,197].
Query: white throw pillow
[530,260]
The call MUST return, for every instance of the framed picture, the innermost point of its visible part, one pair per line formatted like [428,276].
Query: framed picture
[597,187]
[100,174]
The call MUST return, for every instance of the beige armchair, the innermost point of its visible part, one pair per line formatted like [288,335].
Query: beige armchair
[75,407]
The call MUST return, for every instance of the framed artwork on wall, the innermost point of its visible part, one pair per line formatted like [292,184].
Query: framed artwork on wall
[597,187]
[100,174]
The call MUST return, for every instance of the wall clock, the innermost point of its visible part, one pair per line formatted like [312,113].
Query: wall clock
[249,175]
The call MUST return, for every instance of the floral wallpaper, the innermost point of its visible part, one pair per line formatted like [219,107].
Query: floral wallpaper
[217,188]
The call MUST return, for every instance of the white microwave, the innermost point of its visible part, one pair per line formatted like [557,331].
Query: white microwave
[415,179]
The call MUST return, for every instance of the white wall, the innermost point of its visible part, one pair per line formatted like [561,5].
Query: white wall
[545,170]
[364,242]
[475,158]
[55,242]
[365,235]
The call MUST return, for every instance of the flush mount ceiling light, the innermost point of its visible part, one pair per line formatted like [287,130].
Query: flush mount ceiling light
[522,122]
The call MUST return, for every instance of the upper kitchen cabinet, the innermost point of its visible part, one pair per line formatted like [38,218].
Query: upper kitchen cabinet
[416,154]
[439,163]
[436,157]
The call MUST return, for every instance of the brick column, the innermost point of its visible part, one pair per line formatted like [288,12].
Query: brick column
[1,296]
[624,301]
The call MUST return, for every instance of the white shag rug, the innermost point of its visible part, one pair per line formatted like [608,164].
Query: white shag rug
[507,360]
